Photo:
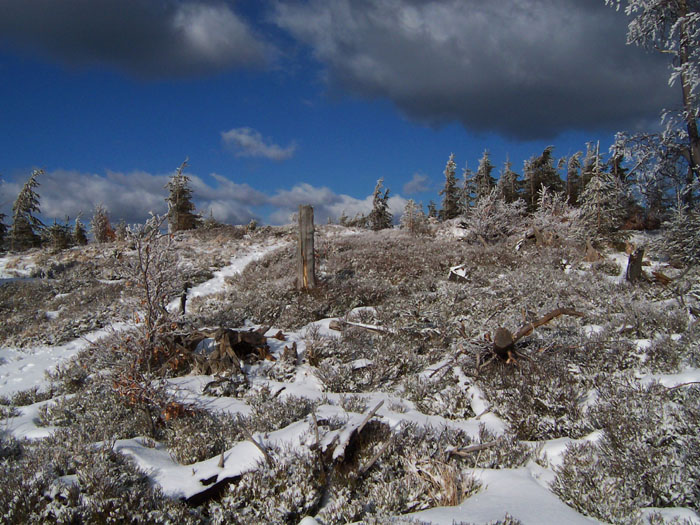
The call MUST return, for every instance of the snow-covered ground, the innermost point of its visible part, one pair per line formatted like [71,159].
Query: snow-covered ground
[523,493]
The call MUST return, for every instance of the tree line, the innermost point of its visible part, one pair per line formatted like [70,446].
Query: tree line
[28,231]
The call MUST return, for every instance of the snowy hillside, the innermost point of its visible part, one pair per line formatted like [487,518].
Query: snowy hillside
[375,398]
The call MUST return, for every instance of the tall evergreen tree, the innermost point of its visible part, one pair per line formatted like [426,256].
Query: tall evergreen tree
[540,171]
[79,232]
[58,236]
[468,194]
[26,227]
[181,214]
[508,186]
[592,163]
[603,208]
[572,165]
[413,218]
[380,218]
[3,230]
[483,179]
[101,226]
[450,193]
[432,210]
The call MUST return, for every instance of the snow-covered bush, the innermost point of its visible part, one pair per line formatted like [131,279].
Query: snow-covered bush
[442,396]
[555,217]
[282,493]
[201,435]
[648,456]
[268,412]
[492,218]
[98,412]
[64,479]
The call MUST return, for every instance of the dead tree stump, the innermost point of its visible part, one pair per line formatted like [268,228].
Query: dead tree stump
[306,269]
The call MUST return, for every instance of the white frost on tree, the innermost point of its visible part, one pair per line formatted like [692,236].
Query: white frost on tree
[380,217]
[414,219]
[101,226]
[181,214]
[450,192]
[673,27]
[25,225]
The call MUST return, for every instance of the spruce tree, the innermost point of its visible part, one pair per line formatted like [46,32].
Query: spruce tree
[450,193]
[101,226]
[573,177]
[380,218]
[540,171]
[432,210]
[180,206]
[603,208]
[508,186]
[413,218]
[468,193]
[592,164]
[58,236]
[3,230]
[483,180]
[26,228]
[79,232]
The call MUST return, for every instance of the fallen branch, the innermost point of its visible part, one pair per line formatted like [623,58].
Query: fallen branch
[465,451]
[262,449]
[374,458]
[689,383]
[504,340]
[369,416]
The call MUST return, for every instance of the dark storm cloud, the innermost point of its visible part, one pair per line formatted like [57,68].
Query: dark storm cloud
[147,37]
[524,68]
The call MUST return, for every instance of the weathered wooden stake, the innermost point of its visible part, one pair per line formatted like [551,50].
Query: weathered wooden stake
[634,265]
[306,269]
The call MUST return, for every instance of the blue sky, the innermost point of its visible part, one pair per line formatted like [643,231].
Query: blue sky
[285,102]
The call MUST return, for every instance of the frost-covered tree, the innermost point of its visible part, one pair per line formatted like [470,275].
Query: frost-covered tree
[540,171]
[3,230]
[468,192]
[681,238]
[26,227]
[413,218]
[508,186]
[58,236]
[79,232]
[572,165]
[483,179]
[380,218]
[603,209]
[673,27]
[432,210]
[450,192]
[101,226]
[181,214]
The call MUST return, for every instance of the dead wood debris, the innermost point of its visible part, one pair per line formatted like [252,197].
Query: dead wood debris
[504,341]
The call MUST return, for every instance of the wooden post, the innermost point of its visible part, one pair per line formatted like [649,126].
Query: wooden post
[634,265]
[306,270]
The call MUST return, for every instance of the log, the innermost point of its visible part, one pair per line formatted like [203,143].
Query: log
[306,269]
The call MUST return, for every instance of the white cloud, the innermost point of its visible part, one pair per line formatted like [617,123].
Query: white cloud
[418,184]
[247,142]
[326,204]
